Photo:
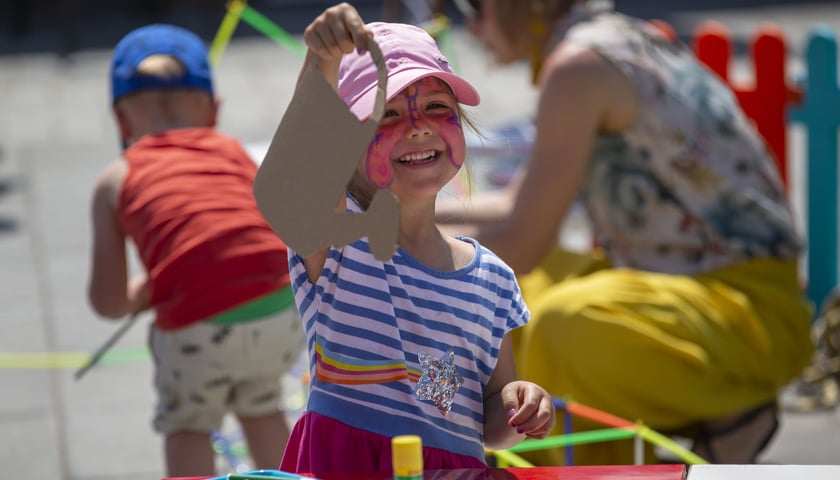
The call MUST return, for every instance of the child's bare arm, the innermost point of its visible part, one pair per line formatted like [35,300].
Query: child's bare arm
[314,263]
[514,409]
[108,281]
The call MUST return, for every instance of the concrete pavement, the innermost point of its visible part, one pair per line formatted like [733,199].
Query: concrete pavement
[55,135]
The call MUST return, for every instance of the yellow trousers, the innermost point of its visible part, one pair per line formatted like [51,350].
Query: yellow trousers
[665,350]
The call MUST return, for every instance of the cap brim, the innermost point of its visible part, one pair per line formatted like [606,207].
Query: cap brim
[464,92]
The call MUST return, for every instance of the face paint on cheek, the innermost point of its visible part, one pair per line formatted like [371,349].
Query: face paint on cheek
[452,133]
[378,161]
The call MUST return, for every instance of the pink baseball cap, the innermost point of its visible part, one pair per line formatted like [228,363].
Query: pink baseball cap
[410,54]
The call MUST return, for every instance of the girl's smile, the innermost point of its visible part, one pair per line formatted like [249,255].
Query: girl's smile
[421,158]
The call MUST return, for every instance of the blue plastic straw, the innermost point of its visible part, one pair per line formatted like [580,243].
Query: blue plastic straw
[260,475]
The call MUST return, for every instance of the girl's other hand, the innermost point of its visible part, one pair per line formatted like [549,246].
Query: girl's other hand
[529,408]
[338,30]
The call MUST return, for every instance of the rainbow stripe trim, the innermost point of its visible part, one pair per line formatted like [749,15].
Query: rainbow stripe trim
[335,368]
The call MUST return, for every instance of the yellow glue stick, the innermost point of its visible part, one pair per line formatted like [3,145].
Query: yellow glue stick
[407,457]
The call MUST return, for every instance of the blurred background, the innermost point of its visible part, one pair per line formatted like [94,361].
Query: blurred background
[56,134]
[67,26]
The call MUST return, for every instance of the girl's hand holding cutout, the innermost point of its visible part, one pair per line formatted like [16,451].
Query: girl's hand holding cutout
[338,30]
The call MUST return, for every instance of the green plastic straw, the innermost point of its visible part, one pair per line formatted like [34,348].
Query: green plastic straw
[440,28]
[125,355]
[273,31]
[60,360]
[446,44]
[579,438]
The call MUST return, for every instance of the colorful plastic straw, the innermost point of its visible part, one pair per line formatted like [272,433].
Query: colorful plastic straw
[622,429]
[61,360]
[568,429]
[261,474]
[258,476]
[598,416]
[662,441]
[226,29]
[577,438]
[239,10]
[506,458]
[273,31]
[440,28]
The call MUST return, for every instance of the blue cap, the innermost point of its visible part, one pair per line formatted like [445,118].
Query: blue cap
[143,42]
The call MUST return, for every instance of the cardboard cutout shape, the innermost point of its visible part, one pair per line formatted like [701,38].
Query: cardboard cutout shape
[314,152]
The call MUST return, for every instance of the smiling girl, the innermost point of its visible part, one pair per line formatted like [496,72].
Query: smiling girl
[419,343]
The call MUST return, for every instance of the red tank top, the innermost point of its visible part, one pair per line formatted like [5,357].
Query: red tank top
[187,202]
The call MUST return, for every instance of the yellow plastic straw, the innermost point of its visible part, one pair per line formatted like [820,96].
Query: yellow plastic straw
[660,440]
[506,458]
[226,29]
[58,360]
[42,360]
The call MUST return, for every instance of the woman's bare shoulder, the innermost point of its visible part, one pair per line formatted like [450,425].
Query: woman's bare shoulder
[580,74]
[571,60]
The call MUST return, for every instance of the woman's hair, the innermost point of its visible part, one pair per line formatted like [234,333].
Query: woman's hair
[516,17]
[363,190]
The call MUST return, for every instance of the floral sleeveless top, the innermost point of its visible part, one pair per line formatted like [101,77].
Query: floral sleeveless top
[691,186]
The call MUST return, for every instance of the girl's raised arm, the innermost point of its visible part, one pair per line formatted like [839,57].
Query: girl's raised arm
[317,147]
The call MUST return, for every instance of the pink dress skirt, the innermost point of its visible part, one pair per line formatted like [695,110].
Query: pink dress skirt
[320,444]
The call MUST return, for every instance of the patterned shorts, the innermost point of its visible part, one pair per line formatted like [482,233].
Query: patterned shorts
[206,370]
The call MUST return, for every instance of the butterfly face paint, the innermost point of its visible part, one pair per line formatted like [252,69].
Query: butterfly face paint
[418,108]
[377,162]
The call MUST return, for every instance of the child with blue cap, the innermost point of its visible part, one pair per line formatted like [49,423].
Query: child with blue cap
[216,275]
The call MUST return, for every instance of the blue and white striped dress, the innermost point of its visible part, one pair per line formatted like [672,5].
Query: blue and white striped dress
[368,323]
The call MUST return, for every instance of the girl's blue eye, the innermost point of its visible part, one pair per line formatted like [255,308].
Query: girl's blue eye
[390,113]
